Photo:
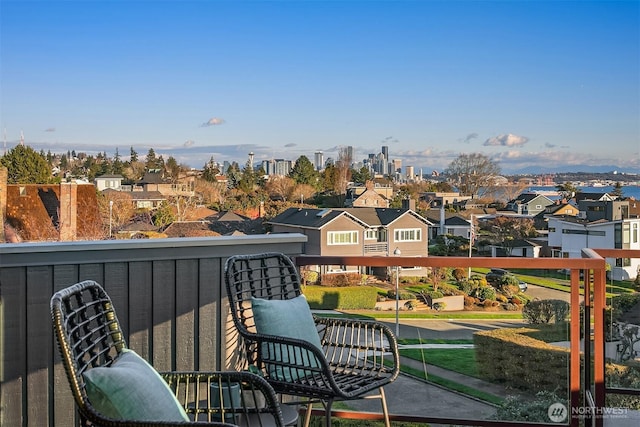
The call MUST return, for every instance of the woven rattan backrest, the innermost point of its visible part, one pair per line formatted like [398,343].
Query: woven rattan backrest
[87,331]
[268,275]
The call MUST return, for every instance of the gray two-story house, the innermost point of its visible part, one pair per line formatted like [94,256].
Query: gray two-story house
[356,232]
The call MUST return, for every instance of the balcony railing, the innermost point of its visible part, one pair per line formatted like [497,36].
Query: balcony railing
[169,295]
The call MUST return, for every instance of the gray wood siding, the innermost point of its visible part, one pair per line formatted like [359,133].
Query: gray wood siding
[409,248]
[169,297]
[342,223]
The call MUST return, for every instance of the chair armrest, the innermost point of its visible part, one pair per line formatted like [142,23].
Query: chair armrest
[352,342]
[200,394]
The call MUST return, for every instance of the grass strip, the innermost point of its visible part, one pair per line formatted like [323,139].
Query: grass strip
[452,385]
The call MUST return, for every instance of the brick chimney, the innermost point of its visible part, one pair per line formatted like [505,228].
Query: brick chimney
[409,204]
[68,211]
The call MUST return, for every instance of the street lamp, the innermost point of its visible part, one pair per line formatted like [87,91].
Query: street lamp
[110,212]
[397,252]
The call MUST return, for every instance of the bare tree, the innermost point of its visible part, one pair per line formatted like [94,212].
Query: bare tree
[116,208]
[343,172]
[302,192]
[279,187]
[211,192]
[473,174]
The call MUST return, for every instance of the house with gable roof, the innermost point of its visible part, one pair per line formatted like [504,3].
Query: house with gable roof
[529,204]
[356,232]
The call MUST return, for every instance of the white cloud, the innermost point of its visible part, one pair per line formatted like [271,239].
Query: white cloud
[214,121]
[507,140]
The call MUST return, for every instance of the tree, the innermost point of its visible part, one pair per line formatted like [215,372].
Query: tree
[164,215]
[617,190]
[567,190]
[210,171]
[279,187]
[507,230]
[248,179]
[173,169]
[117,167]
[116,208]
[134,155]
[25,166]
[153,162]
[473,174]
[302,192]
[361,176]
[303,172]
[343,167]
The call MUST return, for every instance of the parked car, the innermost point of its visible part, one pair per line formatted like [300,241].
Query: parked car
[496,274]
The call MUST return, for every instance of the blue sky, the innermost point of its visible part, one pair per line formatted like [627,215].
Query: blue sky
[532,84]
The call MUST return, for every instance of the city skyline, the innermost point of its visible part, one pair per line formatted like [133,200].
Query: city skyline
[531,84]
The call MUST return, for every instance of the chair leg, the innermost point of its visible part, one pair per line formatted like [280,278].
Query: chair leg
[327,412]
[307,415]
[385,410]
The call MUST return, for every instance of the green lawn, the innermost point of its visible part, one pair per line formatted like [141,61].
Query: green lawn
[460,360]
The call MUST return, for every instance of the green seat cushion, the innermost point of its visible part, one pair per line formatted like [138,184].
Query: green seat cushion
[290,318]
[131,389]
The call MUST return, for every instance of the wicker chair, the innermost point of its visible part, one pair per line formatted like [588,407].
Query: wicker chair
[89,336]
[356,357]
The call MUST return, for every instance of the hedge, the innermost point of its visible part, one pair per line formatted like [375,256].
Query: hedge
[507,355]
[342,298]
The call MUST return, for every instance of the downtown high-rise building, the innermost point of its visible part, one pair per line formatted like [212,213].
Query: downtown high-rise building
[318,158]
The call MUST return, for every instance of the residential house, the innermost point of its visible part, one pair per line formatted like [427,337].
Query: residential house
[443,223]
[602,227]
[526,248]
[587,195]
[438,199]
[529,204]
[370,198]
[559,207]
[108,181]
[381,187]
[356,231]
[154,180]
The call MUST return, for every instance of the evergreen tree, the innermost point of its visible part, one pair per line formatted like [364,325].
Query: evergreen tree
[25,166]
[617,190]
[117,167]
[303,172]
[210,171]
[134,155]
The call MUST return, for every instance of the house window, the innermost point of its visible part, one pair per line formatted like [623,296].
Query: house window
[408,235]
[342,238]
[552,229]
[623,262]
[371,234]
[634,233]
[538,206]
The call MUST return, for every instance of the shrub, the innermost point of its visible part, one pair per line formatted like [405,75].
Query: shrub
[459,274]
[469,301]
[433,294]
[448,290]
[501,298]
[623,376]
[341,279]
[439,306]
[484,293]
[508,355]
[310,277]
[535,410]
[344,298]
[516,300]
[391,294]
[543,311]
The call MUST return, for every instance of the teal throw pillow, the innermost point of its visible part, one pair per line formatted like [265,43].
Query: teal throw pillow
[290,318]
[131,389]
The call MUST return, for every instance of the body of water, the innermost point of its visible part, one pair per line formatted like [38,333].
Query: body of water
[627,190]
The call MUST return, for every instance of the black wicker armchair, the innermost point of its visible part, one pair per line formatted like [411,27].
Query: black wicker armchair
[352,357]
[91,341]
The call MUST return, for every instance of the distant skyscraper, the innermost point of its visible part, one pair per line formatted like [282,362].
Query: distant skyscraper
[385,152]
[350,152]
[251,159]
[319,160]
